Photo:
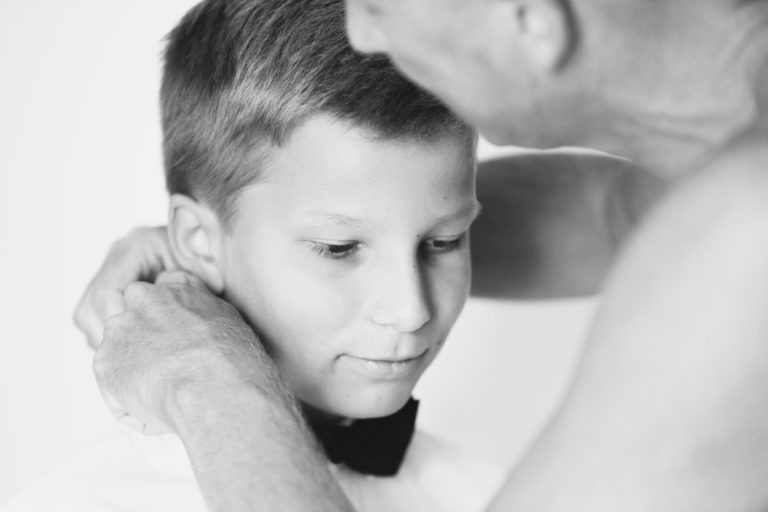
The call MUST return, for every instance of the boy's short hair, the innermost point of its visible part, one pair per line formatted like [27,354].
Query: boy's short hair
[241,75]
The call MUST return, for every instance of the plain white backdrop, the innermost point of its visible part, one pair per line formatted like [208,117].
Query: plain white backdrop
[80,164]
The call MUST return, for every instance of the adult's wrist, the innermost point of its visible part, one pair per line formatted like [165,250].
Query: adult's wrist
[226,398]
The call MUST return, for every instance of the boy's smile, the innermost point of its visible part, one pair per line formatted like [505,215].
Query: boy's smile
[351,259]
[383,368]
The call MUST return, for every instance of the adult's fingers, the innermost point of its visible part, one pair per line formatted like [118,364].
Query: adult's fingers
[138,256]
[87,321]
[180,277]
[93,311]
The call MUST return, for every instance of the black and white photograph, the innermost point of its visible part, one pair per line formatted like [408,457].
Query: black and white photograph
[384,255]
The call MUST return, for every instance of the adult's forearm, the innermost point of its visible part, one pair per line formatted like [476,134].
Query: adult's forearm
[180,359]
[250,453]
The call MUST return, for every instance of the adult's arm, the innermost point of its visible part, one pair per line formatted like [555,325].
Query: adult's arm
[179,359]
[667,411]
[248,450]
[553,222]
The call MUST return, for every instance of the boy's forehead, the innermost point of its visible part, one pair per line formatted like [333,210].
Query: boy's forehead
[323,140]
[337,174]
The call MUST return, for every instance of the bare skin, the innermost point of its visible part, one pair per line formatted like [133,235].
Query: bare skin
[675,426]
[553,223]
[167,361]
[665,411]
[570,215]
[164,366]
[147,249]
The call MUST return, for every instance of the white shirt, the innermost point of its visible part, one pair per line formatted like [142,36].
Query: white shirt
[136,473]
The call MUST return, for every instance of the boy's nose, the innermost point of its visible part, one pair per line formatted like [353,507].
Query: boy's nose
[363,28]
[403,302]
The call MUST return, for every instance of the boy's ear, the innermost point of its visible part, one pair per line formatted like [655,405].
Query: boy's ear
[544,30]
[195,235]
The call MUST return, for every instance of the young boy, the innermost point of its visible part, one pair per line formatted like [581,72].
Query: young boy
[329,200]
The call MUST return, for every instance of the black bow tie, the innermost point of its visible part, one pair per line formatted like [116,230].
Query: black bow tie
[374,446]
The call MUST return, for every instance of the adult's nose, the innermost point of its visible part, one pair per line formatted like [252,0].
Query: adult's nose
[363,29]
[403,300]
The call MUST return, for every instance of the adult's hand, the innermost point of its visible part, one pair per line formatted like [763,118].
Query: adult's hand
[173,340]
[180,359]
[139,256]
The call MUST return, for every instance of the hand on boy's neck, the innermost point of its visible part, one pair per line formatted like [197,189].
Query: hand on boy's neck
[174,341]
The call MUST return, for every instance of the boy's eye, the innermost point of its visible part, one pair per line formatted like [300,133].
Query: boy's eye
[334,251]
[443,245]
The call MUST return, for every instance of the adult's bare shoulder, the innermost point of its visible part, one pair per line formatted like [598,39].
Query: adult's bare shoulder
[667,404]
[733,186]
[746,160]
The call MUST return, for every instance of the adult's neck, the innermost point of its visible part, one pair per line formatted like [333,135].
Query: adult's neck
[695,102]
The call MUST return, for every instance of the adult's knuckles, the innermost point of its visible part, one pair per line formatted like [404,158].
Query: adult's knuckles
[116,326]
[137,294]
[174,276]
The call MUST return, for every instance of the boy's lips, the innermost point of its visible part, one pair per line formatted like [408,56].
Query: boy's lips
[383,368]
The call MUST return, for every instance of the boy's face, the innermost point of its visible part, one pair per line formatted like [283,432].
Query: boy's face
[351,258]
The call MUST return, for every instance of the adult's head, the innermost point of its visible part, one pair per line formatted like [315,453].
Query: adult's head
[623,75]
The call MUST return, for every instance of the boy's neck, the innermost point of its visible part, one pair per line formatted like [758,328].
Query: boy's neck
[318,416]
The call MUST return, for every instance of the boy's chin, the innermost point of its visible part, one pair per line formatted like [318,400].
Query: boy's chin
[357,408]
[380,411]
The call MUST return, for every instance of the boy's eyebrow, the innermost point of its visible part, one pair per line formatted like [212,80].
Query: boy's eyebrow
[325,217]
[470,210]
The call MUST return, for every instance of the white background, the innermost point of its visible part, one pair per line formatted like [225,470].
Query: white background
[80,164]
